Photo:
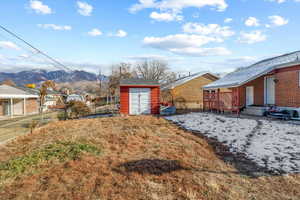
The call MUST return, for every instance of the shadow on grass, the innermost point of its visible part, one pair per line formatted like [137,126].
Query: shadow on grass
[150,166]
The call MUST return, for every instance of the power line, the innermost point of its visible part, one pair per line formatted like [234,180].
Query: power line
[36,49]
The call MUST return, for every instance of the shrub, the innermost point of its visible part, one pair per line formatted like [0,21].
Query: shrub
[62,116]
[78,109]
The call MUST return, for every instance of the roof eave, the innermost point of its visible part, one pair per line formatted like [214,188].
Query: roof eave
[254,77]
[16,96]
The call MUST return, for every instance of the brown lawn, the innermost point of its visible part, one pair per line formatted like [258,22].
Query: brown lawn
[141,158]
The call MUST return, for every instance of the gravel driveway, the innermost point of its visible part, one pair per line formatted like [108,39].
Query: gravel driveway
[271,144]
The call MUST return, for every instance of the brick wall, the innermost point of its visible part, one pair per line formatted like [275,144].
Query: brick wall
[258,85]
[32,106]
[287,90]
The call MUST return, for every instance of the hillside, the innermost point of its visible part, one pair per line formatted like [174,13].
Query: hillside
[127,158]
[38,76]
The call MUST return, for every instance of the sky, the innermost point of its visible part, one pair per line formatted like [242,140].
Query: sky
[191,35]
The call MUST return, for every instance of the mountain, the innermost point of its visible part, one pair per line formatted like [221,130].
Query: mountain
[59,76]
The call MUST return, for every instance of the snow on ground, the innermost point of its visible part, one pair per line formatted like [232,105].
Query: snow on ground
[271,144]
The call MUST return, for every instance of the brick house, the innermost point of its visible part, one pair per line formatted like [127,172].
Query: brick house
[274,81]
[186,93]
[16,102]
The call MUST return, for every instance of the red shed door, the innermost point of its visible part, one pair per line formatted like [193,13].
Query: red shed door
[139,101]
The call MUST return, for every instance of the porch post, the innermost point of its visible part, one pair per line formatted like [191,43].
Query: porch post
[24,106]
[11,107]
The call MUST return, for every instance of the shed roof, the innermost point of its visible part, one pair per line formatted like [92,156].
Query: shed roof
[138,82]
[7,91]
[247,74]
[185,79]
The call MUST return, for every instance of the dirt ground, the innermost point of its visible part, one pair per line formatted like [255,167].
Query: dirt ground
[142,157]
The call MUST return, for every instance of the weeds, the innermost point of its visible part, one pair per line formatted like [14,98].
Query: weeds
[59,150]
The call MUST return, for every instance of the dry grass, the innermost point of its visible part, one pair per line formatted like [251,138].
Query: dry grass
[141,158]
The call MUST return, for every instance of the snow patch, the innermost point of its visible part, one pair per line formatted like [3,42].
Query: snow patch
[271,144]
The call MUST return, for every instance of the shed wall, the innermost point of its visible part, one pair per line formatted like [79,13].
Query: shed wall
[155,99]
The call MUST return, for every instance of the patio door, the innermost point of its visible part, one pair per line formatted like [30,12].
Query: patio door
[270,90]
[249,96]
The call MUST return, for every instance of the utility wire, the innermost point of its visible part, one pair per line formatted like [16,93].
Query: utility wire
[36,49]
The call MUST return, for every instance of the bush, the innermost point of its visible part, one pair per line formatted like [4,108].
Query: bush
[62,116]
[77,109]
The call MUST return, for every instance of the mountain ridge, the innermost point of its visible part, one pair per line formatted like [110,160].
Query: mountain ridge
[39,76]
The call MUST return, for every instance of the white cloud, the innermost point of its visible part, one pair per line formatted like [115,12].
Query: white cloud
[252,21]
[184,44]
[277,21]
[39,7]
[278,1]
[210,29]
[194,51]
[178,5]
[152,57]
[84,8]
[252,37]
[121,33]
[282,1]
[55,27]
[167,17]
[95,32]
[228,20]
[9,45]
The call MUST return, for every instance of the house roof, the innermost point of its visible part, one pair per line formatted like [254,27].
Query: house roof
[7,91]
[185,79]
[128,82]
[247,74]
[36,91]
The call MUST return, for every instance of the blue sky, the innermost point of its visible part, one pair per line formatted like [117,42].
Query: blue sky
[192,35]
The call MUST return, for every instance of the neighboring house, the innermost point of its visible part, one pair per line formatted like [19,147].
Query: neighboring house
[187,92]
[14,101]
[75,97]
[51,99]
[138,97]
[274,81]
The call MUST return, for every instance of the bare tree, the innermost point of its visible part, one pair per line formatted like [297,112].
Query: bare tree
[118,72]
[152,70]
[155,70]
[44,92]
